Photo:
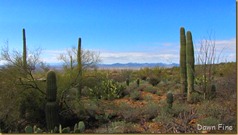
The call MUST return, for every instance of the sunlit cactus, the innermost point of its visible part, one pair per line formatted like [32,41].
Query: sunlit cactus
[24,50]
[190,65]
[183,70]
[79,60]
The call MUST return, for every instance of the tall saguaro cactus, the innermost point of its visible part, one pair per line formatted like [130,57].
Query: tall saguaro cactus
[24,50]
[51,108]
[190,65]
[183,69]
[79,60]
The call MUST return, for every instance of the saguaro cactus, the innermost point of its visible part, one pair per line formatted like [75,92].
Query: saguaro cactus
[183,70]
[51,108]
[79,60]
[24,50]
[170,100]
[190,65]
[127,82]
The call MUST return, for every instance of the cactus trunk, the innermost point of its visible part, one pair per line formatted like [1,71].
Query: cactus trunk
[79,59]
[51,108]
[183,70]
[24,50]
[190,65]
[52,118]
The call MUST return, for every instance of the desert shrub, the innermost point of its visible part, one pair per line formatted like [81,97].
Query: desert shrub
[212,109]
[129,113]
[158,93]
[150,111]
[196,97]
[151,89]
[164,117]
[135,95]
[126,91]
[179,108]
[154,80]
[94,78]
[117,127]
[32,106]
[148,97]
[209,121]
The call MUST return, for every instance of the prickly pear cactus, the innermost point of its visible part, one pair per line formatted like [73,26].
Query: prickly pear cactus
[28,129]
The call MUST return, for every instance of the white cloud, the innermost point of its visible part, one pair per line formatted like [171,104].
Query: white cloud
[140,57]
[157,52]
[225,48]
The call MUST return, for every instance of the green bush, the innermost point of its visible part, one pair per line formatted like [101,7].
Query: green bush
[154,81]
[164,116]
[151,110]
[129,113]
[209,121]
[213,109]
[32,107]
[196,97]
[151,89]
[135,95]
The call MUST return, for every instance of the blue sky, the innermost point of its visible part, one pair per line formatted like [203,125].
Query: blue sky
[121,30]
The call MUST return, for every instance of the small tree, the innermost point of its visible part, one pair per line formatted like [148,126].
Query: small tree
[206,58]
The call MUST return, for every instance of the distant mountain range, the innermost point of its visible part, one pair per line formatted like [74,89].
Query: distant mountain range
[137,65]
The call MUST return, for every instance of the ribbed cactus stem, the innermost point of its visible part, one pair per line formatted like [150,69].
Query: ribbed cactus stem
[127,81]
[51,87]
[138,82]
[79,60]
[51,108]
[183,70]
[24,50]
[170,100]
[71,63]
[190,65]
